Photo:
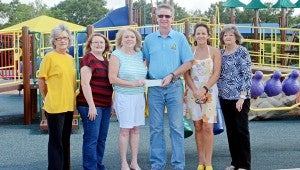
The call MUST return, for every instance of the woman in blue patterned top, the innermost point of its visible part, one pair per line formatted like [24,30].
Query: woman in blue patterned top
[127,72]
[234,89]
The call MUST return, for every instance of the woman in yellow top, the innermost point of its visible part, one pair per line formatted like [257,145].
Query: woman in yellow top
[57,84]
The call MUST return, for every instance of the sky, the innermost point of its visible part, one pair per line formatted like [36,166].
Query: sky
[203,5]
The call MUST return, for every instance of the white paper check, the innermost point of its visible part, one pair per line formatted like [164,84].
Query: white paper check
[151,83]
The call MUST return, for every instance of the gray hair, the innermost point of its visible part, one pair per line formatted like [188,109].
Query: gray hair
[57,31]
[166,6]
[231,28]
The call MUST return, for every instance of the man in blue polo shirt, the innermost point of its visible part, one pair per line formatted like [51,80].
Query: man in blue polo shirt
[168,56]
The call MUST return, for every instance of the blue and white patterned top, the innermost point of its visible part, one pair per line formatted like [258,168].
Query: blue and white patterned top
[131,68]
[235,74]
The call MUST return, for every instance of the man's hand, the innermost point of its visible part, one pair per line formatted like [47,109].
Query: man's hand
[167,80]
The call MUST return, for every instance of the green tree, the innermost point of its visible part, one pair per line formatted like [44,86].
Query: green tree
[197,13]
[146,10]
[180,12]
[293,21]
[3,14]
[16,12]
[82,12]
[224,13]
[40,8]
[267,15]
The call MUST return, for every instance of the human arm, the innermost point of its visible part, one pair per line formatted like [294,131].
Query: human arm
[86,75]
[217,62]
[246,74]
[190,83]
[43,87]
[179,71]
[113,75]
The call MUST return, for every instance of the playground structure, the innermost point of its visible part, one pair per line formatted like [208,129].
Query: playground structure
[266,56]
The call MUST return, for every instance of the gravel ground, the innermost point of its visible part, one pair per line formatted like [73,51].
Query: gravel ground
[275,143]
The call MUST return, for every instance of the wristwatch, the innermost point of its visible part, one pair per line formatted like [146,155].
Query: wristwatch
[243,96]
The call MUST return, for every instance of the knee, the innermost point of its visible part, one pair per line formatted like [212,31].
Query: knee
[198,126]
[208,128]
[135,130]
[124,132]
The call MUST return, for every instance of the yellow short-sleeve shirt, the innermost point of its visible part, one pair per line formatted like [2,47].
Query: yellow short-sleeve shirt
[60,76]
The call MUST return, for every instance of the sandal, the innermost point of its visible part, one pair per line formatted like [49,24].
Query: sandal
[137,168]
[208,167]
[201,167]
[229,168]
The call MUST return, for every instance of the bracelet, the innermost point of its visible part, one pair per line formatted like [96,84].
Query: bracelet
[243,96]
[173,75]
[205,88]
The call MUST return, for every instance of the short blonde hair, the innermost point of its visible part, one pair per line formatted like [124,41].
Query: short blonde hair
[234,29]
[138,37]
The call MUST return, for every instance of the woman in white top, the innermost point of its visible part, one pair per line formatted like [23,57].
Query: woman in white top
[202,93]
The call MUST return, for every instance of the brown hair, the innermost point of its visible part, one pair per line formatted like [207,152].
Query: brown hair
[234,29]
[89,42]
[201,25]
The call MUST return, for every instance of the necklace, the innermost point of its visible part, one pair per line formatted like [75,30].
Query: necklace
[230,51]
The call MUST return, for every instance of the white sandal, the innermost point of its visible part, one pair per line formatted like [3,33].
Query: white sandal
[229,168]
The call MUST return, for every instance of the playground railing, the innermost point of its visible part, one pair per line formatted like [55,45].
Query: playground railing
[10,54]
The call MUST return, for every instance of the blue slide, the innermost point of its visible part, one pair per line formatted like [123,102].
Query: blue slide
[117,17]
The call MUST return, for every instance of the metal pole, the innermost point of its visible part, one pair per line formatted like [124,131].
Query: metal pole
[255,45]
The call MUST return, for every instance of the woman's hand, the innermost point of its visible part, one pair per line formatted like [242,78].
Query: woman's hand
[92,113]
[139,83]
[239,104]
[200,93]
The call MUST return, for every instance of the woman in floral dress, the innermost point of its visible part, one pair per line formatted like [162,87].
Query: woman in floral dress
[202,94]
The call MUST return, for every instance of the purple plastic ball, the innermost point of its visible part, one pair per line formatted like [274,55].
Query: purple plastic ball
[257,87]
[290,85]
[273,86]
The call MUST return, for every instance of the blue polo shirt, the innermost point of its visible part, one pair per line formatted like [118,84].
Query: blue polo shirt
[165,55]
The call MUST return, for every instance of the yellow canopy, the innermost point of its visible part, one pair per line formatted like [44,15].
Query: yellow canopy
[44,24]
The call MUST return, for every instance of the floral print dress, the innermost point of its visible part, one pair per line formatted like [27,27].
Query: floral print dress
[200,72]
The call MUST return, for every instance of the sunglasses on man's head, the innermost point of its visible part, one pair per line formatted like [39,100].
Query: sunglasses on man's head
[166,16]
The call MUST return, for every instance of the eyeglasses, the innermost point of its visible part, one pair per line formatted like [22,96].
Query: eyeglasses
[96,42]
[62,38]
[166,16]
